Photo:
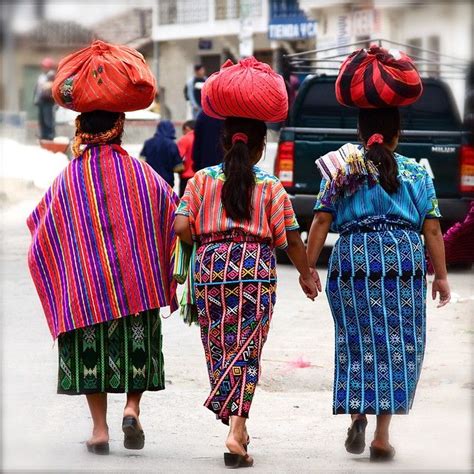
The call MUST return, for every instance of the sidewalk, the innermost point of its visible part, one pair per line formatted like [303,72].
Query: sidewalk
[291,424]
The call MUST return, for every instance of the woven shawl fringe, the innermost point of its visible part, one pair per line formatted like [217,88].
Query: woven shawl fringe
[349,178]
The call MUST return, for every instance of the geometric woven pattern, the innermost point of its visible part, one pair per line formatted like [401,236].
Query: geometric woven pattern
[235,294]
[377,292]
[119,356]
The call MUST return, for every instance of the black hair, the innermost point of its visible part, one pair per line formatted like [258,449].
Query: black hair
[99,121]
[385,121]
[189,124]
[197,67]
[238,165]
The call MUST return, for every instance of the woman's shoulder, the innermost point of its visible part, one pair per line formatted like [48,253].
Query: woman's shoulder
[409,169]
[261,176]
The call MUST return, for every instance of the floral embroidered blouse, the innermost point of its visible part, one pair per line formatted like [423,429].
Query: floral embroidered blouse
[272,215]
[414,201]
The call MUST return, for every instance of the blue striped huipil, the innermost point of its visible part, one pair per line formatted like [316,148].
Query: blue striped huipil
[377,290]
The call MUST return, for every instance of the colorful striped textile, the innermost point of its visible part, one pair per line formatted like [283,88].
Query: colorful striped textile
[355,195]
[235,296]
[376,289]
[184,260]
[248,89]
[103,241]
[345,171]
[104,76]
[272,212]
[378,78]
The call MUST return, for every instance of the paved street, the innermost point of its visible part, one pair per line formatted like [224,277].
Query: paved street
[291,424]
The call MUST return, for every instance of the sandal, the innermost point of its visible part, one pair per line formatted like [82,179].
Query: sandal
[134,436]
[355,441]
[235,461]
[381,455]
[98,448]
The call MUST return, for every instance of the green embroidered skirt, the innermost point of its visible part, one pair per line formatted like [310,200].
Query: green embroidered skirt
[119,356]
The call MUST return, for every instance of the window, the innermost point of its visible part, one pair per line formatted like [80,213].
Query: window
[172,12]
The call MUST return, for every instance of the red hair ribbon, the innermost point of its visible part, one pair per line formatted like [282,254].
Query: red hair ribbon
[375,138]
[239,137]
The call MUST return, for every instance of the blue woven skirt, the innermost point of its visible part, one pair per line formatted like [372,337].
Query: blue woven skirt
[377,292]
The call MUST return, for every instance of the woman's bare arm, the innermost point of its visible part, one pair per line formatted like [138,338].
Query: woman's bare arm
[297,254]
[183,229]
[435,245]
[317,236]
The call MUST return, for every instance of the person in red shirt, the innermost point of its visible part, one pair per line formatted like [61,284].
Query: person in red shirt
[185,147]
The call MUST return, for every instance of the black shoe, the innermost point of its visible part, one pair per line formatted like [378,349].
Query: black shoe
[98,448]
[381,455]
[355,442]
[134,437]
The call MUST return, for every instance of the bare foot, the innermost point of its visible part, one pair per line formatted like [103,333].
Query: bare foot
[129,411]
[358,416]
[381,444]
[235,444]
[99,436]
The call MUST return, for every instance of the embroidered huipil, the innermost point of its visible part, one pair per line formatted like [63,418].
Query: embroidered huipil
[103,241]
[354,195]
[272,213]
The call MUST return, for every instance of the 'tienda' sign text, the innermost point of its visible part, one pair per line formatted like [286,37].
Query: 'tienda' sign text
[291,29]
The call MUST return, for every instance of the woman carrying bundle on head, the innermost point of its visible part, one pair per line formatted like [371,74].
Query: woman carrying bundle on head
[379,202]
[103,242]
[238,215]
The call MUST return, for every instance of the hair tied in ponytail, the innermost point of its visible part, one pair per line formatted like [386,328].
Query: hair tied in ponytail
[240,137]
[375,138]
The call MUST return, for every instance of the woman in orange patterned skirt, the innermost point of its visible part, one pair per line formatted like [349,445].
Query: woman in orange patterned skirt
[237,214]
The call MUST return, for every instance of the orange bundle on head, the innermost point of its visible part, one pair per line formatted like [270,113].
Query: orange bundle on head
[248,89]
[104,76]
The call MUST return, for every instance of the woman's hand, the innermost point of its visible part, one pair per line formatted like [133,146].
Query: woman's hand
[441,286]
[309,286]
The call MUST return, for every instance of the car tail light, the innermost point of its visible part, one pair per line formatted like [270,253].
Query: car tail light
[467,169]
[284,163]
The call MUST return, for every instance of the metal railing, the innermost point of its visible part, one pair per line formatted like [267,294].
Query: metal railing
[329,60]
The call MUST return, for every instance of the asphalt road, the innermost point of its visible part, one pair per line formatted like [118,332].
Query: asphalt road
[291,424]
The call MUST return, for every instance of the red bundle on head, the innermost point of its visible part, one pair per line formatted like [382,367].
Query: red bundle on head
[248,89]
[104,76]
[378,78]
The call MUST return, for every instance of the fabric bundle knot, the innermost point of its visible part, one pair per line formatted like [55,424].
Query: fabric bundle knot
[248,89]
[378,77]
[104,76]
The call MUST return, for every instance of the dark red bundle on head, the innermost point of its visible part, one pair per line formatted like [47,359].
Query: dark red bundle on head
[376,78]
[248,89]
[104,76]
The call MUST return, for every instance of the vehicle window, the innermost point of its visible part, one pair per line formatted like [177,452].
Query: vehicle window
[433,111]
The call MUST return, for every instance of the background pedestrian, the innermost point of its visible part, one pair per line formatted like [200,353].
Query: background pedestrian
[43,99]
[185,147]
[193,89]
[161,152]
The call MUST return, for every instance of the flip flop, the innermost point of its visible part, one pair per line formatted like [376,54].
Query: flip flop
[381,455]
[134,436]
[355,441]
[98,448]
[236,461]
